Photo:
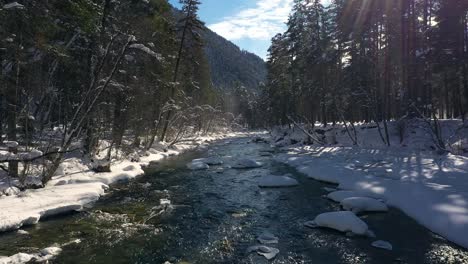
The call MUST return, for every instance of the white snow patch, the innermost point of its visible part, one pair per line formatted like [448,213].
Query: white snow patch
[197,165]
[343,221]
[382,244]
[363,204]
[13,5]
[43,256]
[270,181]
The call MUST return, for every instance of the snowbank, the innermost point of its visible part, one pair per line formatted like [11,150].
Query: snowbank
[74,186]
[271,181]
[343,221]
[430,188]
[42,256]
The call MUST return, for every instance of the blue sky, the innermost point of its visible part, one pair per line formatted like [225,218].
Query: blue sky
[248,23]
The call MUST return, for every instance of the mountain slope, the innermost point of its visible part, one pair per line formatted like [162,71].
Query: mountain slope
[230,65]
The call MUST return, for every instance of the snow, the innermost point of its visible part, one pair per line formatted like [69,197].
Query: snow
[247,164]
[11,191]
[33,205]
[339,196]
[146,50]
[197,165]
[75,185]
[382,244]
[270,181]
[43,256]
[13,5]
[363,204]
[343,221]
[428,187]
[11,144]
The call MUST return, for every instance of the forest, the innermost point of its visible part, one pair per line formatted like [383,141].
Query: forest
[233,131]
[369,61]
[79,74]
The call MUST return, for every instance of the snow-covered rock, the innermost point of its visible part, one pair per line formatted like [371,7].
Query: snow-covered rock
[22,232]
[10,144]
[50,251]
[43,256]
[13,5]
[343,221]
[247,164]
[363,204]
[164,202]
[10,191]
[267,238]
[197,165]
[382,244]
[339,196]
[33,205]
[210,161]
[268,252]
[269,181]
[328,189]
[19,258]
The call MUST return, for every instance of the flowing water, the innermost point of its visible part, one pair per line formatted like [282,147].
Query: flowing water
[215,215]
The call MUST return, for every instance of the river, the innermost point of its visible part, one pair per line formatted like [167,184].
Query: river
[215,215]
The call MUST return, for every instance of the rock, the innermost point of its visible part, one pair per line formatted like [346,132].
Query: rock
[268,252]
[267,238]
[247,164]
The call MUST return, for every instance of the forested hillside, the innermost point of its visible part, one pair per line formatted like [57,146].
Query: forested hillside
[231,66]
[369,61]
[78,74]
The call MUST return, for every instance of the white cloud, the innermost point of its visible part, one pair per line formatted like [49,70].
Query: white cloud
[261,22]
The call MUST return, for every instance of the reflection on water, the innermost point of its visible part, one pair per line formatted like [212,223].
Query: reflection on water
[172,214]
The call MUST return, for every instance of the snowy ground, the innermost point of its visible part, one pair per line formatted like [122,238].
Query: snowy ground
[409,175]
[75,185]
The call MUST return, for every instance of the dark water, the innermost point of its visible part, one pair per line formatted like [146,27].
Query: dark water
[216,215]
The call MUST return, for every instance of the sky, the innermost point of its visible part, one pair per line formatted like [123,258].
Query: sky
[250,24]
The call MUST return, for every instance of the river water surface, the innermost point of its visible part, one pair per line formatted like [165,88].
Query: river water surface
[215,215]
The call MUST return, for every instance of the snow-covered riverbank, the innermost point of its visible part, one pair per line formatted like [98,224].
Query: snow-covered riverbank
[75,185]
[430,188]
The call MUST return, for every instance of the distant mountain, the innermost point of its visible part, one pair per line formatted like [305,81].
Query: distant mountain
[230,65]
